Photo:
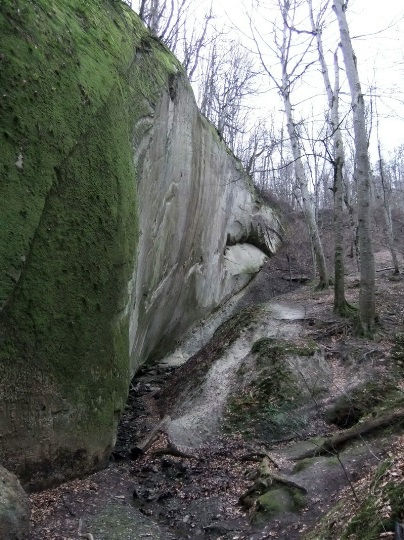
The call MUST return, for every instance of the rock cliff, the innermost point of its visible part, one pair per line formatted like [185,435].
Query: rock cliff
[124,220]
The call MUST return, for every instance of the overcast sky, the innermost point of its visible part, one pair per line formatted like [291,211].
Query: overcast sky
[377,27]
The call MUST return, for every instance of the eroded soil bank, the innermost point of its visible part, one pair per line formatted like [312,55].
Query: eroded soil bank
[226,463]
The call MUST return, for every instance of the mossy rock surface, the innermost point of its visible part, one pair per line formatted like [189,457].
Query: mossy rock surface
[281,377]
[369,522]
[380,508]
[276,502]
[361,401]
[75,76]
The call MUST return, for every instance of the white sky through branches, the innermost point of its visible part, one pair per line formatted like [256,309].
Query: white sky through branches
[377,29]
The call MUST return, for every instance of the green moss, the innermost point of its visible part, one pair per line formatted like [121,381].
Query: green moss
[302,465]
[397,352]
[368,523]
[370,519]
[275,502]
[266,405]
[269,400]
[380,472]
[272,348]
[75,76]
[279,501]
[363,400]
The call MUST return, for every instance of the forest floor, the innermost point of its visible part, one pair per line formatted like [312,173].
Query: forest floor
[169,492]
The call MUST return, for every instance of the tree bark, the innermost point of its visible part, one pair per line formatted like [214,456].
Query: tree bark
[331,445]
[304,192]
[340,304]
[366,316]
[297,157]
[388,222]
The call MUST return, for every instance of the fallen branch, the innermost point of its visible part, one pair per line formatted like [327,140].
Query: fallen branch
[146,443]
[262,485]
[171,450]
[338,328]
[301,279]
[252,456]
[332,444]
[368,353]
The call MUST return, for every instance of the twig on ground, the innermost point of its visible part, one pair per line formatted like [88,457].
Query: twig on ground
[171,450]
[252,456]
[89,536]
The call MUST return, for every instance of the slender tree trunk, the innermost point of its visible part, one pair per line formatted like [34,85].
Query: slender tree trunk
[388,222]
[304,192]
[340,304]
[301,179]
[367,264]
[386,194]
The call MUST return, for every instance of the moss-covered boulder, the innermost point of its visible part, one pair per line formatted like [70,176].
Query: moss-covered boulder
[360,401]
[118,205]
[69,95]
[279,381]
[276,502]
[14,508]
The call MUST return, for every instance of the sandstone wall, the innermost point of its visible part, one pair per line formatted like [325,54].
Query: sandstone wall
[123,221]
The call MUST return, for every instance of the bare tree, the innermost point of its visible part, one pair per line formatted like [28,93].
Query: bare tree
[367,308]
[165,18]
[338,159]
[293,67]
[194,42]
[385,196]
[228,80]
[395,168]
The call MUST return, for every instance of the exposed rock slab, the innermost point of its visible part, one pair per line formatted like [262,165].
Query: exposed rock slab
[198,407]
[14,508]
[204,232]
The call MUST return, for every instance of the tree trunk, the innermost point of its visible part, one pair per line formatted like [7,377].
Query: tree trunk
[388,222]
[367,264]
[332,444]
[304,191]
[340,304]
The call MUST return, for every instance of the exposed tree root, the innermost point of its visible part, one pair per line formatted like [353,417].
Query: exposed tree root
[345,309]
[89,536]
[254,456]
[323,285]
[266,480]
[147,442]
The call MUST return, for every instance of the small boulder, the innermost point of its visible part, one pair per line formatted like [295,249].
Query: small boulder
[14,508]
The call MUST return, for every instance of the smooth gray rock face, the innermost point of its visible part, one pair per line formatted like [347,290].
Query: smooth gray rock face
[14,508]
[204,232]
